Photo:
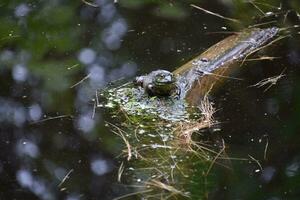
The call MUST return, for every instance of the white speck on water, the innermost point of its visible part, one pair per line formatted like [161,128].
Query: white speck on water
[269,13]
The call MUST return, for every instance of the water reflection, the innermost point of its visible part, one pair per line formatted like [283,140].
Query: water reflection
[19,73]
[100,166]
[22,10]
[34,184]
[87,56]
[27,148]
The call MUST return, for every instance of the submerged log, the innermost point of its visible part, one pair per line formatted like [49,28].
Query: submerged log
[197,77]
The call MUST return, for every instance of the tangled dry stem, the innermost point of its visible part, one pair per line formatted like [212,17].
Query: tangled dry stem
[207,120]
[271,81]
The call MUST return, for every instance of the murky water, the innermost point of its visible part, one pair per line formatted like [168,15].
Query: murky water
[55,54]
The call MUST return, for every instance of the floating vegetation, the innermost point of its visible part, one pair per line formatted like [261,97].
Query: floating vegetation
[165,153]
[135,102]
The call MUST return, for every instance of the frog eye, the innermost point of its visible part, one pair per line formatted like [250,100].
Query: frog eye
[163,78]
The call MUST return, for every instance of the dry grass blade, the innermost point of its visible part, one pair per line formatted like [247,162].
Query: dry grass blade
[65,178]
[258,49]
[120,132]
[263,58]
[132,194]
[90,4]
[120,171]
[215,14]
[255,160]
[73,66]
[163,186]
[262,24]
[215,158]
[266,149]
[52,118]
[268,5]
[258,8]
[79,82]
[221,76]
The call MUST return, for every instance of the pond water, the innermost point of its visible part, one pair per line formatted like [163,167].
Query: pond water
[54,55]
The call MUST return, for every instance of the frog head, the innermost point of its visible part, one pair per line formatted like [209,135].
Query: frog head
[158,83]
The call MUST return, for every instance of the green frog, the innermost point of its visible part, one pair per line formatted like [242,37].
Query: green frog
[158,83]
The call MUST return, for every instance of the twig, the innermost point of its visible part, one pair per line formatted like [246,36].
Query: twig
[73,66]
[272,42]
[221,32]
[260,10]
[221,76]
[271,80]
[120,171]
[266,149]
[215,14]
[263,58]
[261,24]
[164,186]
[120,134]
[83,79]
[51,118]
[268,5]
[132,194]
[65,178]
[215,158]
[90,4]
[255,160]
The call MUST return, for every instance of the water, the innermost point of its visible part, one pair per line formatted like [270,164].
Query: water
[53,144]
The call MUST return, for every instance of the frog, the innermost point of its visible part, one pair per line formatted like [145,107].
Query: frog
[161,83]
